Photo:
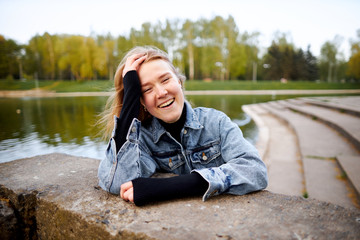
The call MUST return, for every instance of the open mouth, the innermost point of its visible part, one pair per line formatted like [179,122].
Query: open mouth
[167,103]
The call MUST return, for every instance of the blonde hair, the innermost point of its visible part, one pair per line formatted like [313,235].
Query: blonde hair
[115,102]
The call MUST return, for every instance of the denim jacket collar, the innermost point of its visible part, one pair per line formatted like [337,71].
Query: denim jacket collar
[191,121]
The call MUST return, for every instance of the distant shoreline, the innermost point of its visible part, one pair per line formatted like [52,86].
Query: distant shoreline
[42,93]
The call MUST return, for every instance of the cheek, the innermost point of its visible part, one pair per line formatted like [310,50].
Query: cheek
[178,89]
[147,100]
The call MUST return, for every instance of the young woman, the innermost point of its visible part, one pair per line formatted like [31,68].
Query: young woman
[156,130]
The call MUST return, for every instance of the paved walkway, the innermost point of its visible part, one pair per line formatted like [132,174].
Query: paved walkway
[43,93]
[311,147]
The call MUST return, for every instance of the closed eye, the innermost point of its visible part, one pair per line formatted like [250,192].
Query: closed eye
[166,79]
[147,90]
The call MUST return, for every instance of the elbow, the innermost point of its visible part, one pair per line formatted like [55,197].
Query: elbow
[263,179]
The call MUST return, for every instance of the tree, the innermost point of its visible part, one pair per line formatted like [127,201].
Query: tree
[280,58]
[312,69]
[353,70]
[10,57]
[283,60]
[247,60]
[330,59]
[188,35]
[107,44]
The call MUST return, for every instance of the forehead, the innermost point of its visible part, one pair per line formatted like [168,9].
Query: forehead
[154,69]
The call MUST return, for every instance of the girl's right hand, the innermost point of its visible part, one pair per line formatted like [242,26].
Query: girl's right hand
[133,63]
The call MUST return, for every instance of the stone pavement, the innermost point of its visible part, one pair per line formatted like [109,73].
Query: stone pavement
[45,93]
[56,196]
[311,146]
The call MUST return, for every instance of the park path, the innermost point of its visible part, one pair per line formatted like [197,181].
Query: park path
[44,93]
[311,146]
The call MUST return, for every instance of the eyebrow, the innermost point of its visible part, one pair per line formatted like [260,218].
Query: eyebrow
[164,74]
[159,77]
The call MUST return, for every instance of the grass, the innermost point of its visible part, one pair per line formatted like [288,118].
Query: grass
[305,195]
[85,86]
[104,85]
[58,86]
[22,85]
[266,85]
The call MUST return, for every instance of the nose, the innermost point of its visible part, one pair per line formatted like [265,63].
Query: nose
[161,91]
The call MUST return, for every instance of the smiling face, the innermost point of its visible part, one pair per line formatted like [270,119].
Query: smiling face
[162,94]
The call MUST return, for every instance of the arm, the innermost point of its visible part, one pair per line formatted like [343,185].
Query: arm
[125,157]
[243,170]
[130,108]
[131,101]
[142,191]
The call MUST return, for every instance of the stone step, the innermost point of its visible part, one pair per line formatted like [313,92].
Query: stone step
[346,124]
[320,142]
[257,113]
[351,166]
[349,104]
[323,181]
[283,158]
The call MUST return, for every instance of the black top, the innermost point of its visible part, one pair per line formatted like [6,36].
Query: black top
[154,189]
[130,108]
[175,128]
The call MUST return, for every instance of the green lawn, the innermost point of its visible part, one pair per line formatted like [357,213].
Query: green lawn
[58,86]
[266,85]
[104,85]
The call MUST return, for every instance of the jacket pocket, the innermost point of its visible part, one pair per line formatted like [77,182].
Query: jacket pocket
[169,161]
[206,156]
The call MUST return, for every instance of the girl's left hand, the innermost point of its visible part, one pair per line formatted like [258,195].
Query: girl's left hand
[133,63]
[127,191]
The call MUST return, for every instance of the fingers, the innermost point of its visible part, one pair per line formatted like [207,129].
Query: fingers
[124,187]
[135,57]
[133,62]
[127,191]
[129,195]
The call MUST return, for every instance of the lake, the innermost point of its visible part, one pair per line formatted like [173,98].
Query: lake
[36,126]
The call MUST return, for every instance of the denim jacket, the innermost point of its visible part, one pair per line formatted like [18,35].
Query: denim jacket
[211,144]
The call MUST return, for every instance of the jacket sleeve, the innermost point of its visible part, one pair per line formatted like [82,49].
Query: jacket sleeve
[243,170]
[132,161]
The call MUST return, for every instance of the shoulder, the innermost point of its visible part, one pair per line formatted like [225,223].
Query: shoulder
[204,112]
[210,118]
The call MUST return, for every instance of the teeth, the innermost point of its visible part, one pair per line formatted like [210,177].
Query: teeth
[167,103]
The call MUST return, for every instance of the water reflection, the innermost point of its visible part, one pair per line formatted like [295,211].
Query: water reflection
[34,126]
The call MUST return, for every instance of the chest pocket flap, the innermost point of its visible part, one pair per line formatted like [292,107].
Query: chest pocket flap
[169,161]
[206,154]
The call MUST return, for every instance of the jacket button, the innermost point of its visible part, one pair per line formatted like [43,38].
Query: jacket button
[170,163]
[133,129]
[185,132]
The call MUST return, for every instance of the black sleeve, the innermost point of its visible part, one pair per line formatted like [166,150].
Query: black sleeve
[148,190]
[130,108]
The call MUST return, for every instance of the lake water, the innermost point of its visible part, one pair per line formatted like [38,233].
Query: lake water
[35,126]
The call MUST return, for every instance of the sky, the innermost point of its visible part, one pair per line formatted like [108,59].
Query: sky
[306,22]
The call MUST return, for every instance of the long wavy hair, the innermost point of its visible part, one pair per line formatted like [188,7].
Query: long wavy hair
[115,101]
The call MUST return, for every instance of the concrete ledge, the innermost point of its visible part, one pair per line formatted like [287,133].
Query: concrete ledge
[56,197]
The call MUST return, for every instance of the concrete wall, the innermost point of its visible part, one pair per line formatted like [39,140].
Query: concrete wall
[56,197]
